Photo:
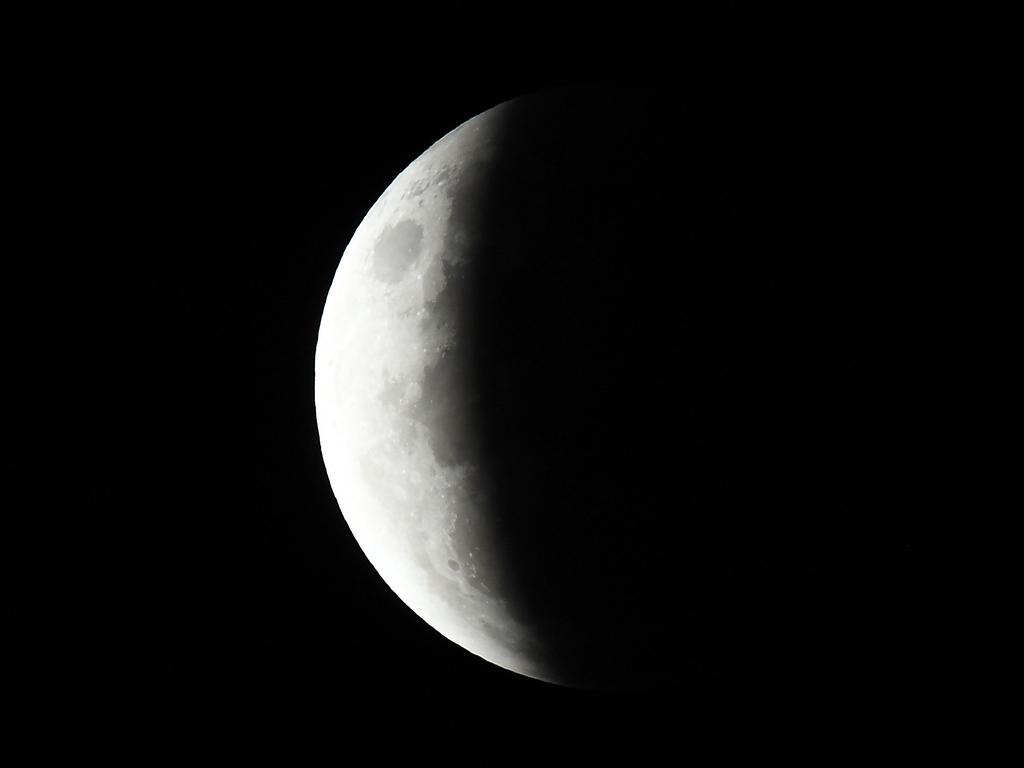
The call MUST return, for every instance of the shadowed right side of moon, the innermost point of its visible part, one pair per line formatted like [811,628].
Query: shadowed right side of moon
[606,319]
[695,363]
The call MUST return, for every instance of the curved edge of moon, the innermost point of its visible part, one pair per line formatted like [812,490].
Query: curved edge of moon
[389,402]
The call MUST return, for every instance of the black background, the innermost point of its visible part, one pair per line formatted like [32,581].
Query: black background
[183,589]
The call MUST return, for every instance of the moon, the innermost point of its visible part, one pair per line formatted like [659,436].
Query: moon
[485,399]
[392,402]
[549,402]
[612,390]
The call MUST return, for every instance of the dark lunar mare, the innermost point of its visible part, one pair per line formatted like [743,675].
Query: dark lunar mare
[704,362]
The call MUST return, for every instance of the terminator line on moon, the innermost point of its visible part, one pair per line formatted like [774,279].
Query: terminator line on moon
[390,402]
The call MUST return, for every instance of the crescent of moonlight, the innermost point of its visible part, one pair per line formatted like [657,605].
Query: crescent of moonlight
[390,408]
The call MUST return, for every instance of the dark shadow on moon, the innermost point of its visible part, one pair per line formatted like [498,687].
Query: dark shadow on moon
[617,373]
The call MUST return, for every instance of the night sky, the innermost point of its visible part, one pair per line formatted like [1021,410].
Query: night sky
[184,589]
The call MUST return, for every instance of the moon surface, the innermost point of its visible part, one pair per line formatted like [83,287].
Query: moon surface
[534,394]
[491,394]
[584,392]
[628,389]
[392,402]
